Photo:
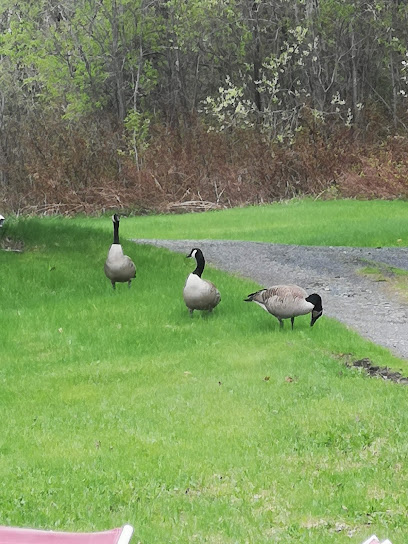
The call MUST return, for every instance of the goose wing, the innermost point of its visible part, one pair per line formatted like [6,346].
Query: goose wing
[282,301]
[129,265]
[285,293]
[216,295]
[278,292]
[286,301]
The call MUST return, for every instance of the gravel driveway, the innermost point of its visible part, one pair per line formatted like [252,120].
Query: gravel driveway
[367,306]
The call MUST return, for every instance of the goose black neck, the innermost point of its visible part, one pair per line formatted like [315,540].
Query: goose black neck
[199,257]
[116,232]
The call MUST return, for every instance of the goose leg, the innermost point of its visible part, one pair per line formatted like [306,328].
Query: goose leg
[191,312]
[280,323]
[292,320]
[129,282]
[113,285]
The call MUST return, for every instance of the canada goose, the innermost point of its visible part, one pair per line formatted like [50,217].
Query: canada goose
[199,294]
[284,301]
[118,267]
[2,218]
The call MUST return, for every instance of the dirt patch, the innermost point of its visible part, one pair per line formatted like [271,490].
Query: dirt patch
[375,371]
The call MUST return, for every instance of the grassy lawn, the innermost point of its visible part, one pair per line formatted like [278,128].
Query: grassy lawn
[118,407]
[306,222]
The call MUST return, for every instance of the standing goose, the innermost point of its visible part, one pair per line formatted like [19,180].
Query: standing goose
[118,267]
[199,294]
[284,301]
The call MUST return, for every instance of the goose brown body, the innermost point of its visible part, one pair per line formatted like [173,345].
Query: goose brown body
[287,301]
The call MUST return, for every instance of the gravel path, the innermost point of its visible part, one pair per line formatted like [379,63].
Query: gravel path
[368,306]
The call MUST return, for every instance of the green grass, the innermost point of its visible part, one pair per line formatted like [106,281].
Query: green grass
[118,407]
[306,222]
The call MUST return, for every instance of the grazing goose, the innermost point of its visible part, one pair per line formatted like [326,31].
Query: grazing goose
[118,267]
[199,294]
[284,301]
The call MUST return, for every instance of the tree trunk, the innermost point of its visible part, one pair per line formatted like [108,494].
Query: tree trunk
[354,75]
[257,55]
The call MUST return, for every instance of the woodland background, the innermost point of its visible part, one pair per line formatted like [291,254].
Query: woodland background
[172,105]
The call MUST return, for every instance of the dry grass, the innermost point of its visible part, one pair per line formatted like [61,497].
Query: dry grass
[88,171]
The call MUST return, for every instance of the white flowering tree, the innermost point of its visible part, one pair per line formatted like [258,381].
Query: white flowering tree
[313,60]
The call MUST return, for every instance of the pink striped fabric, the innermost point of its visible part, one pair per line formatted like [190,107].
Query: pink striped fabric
[15,535]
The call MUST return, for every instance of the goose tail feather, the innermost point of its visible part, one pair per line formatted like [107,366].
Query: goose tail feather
[253,296]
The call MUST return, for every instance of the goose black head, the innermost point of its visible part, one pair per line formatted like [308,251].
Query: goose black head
[115,218]
[199,257]
[1,220]
[194,252]
[317,311]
